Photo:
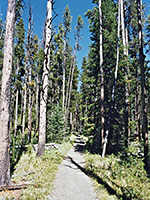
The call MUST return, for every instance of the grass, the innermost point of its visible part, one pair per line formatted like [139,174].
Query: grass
[37,171]
[116,178]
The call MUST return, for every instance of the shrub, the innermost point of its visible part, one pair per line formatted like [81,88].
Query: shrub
[126,177]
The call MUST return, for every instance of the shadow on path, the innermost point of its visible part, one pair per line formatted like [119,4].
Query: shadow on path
[91,174]
[71,182]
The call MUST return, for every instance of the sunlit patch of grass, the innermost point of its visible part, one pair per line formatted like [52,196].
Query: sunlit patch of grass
[124,179]
[93,162]
[39,172]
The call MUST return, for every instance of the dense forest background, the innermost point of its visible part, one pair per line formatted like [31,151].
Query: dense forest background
[107,100]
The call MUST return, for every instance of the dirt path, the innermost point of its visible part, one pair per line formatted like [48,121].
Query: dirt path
[71,183]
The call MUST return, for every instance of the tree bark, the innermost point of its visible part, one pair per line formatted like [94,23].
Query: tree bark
[16,113]
[69,89]
[29,75]
[137,89]
[37,105]
[143,88]
[29,106]
[16,109]
[6,95]
[125,52]
[64,70]
[25,99]
[102,74]
[114,86]
[44,90]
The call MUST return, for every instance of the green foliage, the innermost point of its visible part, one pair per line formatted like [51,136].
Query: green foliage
[67,20]
[19,41]
[15,150]
[55,125]
[80,24]
[124,174]
[90,77]
[19,9]
[40,172]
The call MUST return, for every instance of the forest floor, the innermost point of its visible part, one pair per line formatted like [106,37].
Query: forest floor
[71,182]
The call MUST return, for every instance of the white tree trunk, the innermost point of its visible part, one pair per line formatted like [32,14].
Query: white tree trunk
[29,73]
[16,110]
[37,106]
[64,71]
[29,105]
[114,85]
[70,81]
[102,72]
[125,52]
[16,113]
[44,91]
[25,102]
[5,95]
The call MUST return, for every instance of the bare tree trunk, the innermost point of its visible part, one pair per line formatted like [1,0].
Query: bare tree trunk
[32,103]
[128,109]
[29,106]
[79,26]
[6,95]
[11,109]
[29,75]
[67,92]
[25,100]
[114,85]
[16,110]
[44,91]
[69,89]
[143,88]
[102,74]
[137,107]
[125,52]
[64,70]
[37,106]
[71,121]
[137,88]
[16,113]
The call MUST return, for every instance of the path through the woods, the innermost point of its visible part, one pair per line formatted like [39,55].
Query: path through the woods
[71,183]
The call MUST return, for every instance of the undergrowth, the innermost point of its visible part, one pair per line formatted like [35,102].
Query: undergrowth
[123,176]
[39,172]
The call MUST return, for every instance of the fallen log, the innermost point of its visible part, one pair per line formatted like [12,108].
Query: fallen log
[35,146]
[15,187]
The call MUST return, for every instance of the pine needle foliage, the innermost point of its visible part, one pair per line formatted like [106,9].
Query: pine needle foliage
[55,126]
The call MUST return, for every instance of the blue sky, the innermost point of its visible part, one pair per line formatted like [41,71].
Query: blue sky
[77,7]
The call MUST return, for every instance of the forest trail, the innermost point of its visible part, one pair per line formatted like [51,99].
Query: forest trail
[71,183]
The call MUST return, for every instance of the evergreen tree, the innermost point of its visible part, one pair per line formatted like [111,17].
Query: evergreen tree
[79,27]
[143,85]
[18,69]
[67,29]
[55,126]
[109,59]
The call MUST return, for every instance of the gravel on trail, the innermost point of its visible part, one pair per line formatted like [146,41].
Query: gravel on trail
[71,183]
